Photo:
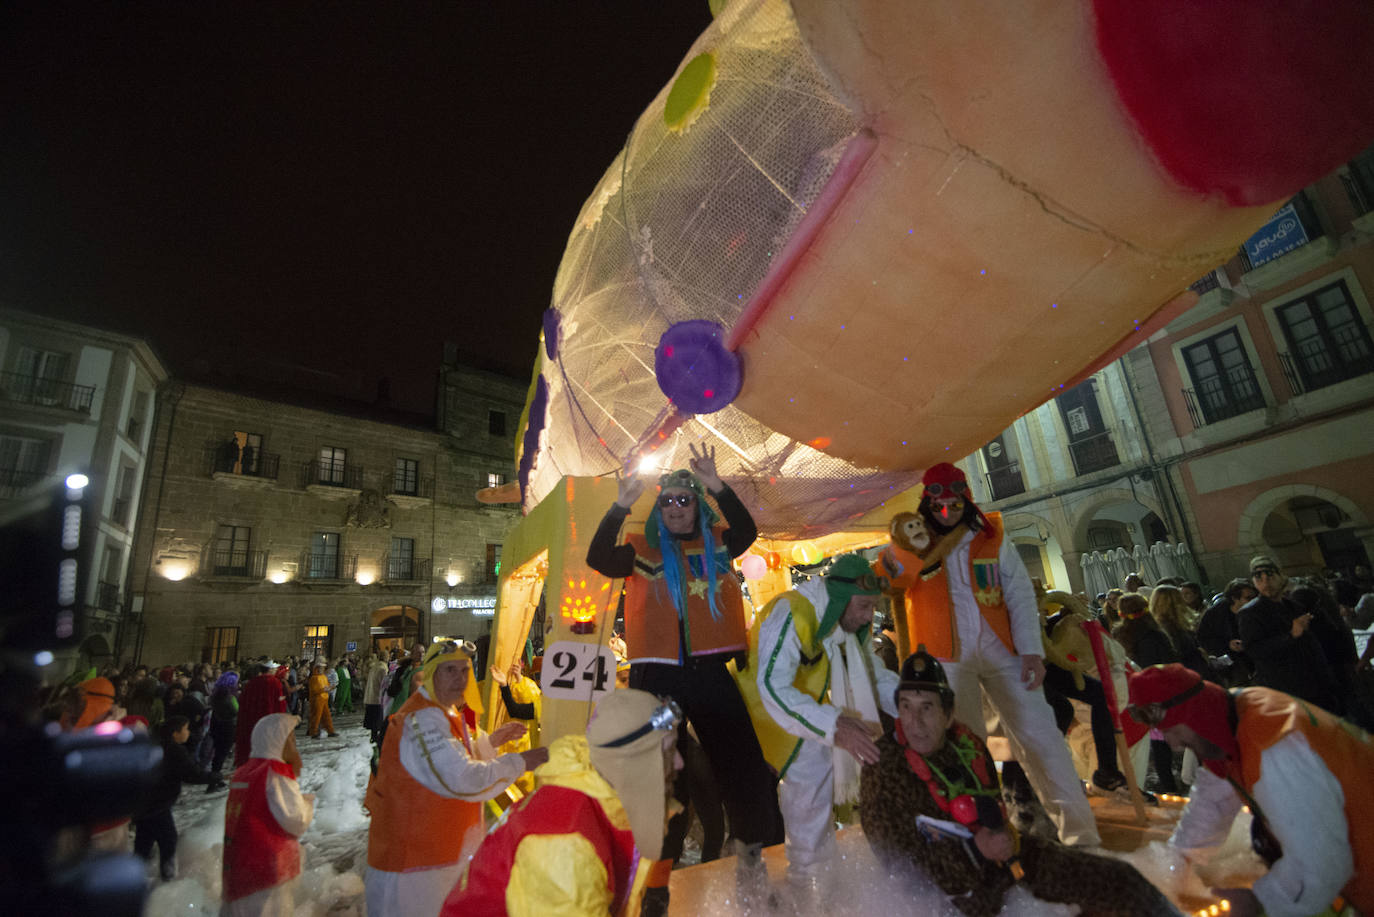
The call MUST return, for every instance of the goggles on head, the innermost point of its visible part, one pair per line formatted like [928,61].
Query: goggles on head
[958,488]
[867,581]
[1153,714]
[665,718]
[666,500]
[444,647]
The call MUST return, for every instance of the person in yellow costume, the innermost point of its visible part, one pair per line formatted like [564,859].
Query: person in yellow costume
[588,841]
[524,704]
[319,700]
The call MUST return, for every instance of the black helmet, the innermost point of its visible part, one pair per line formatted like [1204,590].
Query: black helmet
[923,672]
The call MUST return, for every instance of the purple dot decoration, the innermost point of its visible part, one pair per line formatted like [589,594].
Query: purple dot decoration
[552,325]
[694,369]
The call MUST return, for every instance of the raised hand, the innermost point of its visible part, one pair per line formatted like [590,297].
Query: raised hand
[498,676]
[629,487]
[703,465]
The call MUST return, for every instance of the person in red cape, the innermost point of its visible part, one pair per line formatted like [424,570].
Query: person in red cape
[265,814]
[1302,771]
[263,695]
[931,804]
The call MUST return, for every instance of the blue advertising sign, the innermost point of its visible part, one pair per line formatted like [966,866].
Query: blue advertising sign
[1283,233]
[351,646]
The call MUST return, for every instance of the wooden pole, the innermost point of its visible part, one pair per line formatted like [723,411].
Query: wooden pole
[1104,671]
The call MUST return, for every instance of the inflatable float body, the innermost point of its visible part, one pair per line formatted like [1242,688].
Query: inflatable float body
[854,238]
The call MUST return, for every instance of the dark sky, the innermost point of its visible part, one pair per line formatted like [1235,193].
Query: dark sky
[334,185]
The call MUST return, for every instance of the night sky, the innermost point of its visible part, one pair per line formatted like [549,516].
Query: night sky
[336,186]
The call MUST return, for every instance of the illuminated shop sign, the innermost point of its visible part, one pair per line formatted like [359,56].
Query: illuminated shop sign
[480,605]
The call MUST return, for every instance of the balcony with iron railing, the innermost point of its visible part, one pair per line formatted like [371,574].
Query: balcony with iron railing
[51,393]
[107,596]
[1094,453]
[1316,366]
[234,563]
[416,489]
[1006,481]
[328,568]
[14,481]
[263,467]
[332,475]
[406,569]
[1222,397]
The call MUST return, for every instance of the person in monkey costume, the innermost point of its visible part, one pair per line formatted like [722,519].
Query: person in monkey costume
[970,601]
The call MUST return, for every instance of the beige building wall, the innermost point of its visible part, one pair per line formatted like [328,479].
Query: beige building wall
[194,579]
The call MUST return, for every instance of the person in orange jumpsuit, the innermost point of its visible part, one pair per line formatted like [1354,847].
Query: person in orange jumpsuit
[319,701]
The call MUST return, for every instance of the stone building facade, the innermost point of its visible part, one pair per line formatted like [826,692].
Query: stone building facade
[276,527]
[1244,426]
[76,399]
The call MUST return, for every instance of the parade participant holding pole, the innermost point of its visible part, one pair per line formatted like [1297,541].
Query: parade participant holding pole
[821,682]
[684,620]
[1302,771]
[433,775]
[586,841]
[971,603]
[932,803]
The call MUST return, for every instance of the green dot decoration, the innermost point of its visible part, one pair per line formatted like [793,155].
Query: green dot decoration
[691,92]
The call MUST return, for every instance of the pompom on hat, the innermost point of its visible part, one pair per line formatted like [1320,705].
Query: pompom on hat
[1164,696]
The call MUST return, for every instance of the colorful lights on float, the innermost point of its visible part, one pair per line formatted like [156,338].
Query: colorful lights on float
[580,606]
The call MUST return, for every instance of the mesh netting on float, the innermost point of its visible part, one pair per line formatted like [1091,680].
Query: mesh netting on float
[684,226]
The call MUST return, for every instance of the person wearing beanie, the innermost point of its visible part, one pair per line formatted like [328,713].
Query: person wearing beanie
[684,621]
[433,774]
[932,767]
[970,601]
[1278,637]
[823,686]
[589,840]
[265,814]
[1302,772]
[320,717]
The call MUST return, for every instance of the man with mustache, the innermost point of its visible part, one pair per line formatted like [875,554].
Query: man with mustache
[970,601]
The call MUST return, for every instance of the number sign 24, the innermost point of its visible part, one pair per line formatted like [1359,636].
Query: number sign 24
[578,671]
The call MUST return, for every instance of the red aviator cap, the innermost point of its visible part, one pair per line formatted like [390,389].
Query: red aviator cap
[1163,696]
[945,475]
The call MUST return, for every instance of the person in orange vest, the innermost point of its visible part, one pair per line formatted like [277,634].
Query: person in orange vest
[435,771]
[970,601]
[684,621]
[588,841]
[1303,772]
[265,814]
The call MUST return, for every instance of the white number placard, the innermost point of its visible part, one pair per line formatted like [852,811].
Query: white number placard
[577,671]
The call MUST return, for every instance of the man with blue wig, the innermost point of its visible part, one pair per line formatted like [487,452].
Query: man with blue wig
[684,621]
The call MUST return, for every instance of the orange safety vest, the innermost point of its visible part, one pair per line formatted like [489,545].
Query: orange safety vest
[651,623]
[413,827]
[1265,716]
[929,610]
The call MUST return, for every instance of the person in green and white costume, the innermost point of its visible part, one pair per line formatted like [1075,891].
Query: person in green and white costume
[821,682]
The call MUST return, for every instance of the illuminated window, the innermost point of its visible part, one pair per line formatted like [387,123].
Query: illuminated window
[494,479]
[317,641]
[221,645]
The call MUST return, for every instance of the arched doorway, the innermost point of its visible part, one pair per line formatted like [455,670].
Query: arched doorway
[394,626]
[1307,533]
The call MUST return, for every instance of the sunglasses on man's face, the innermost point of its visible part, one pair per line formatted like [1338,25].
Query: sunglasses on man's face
[667,500]
[958,487]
